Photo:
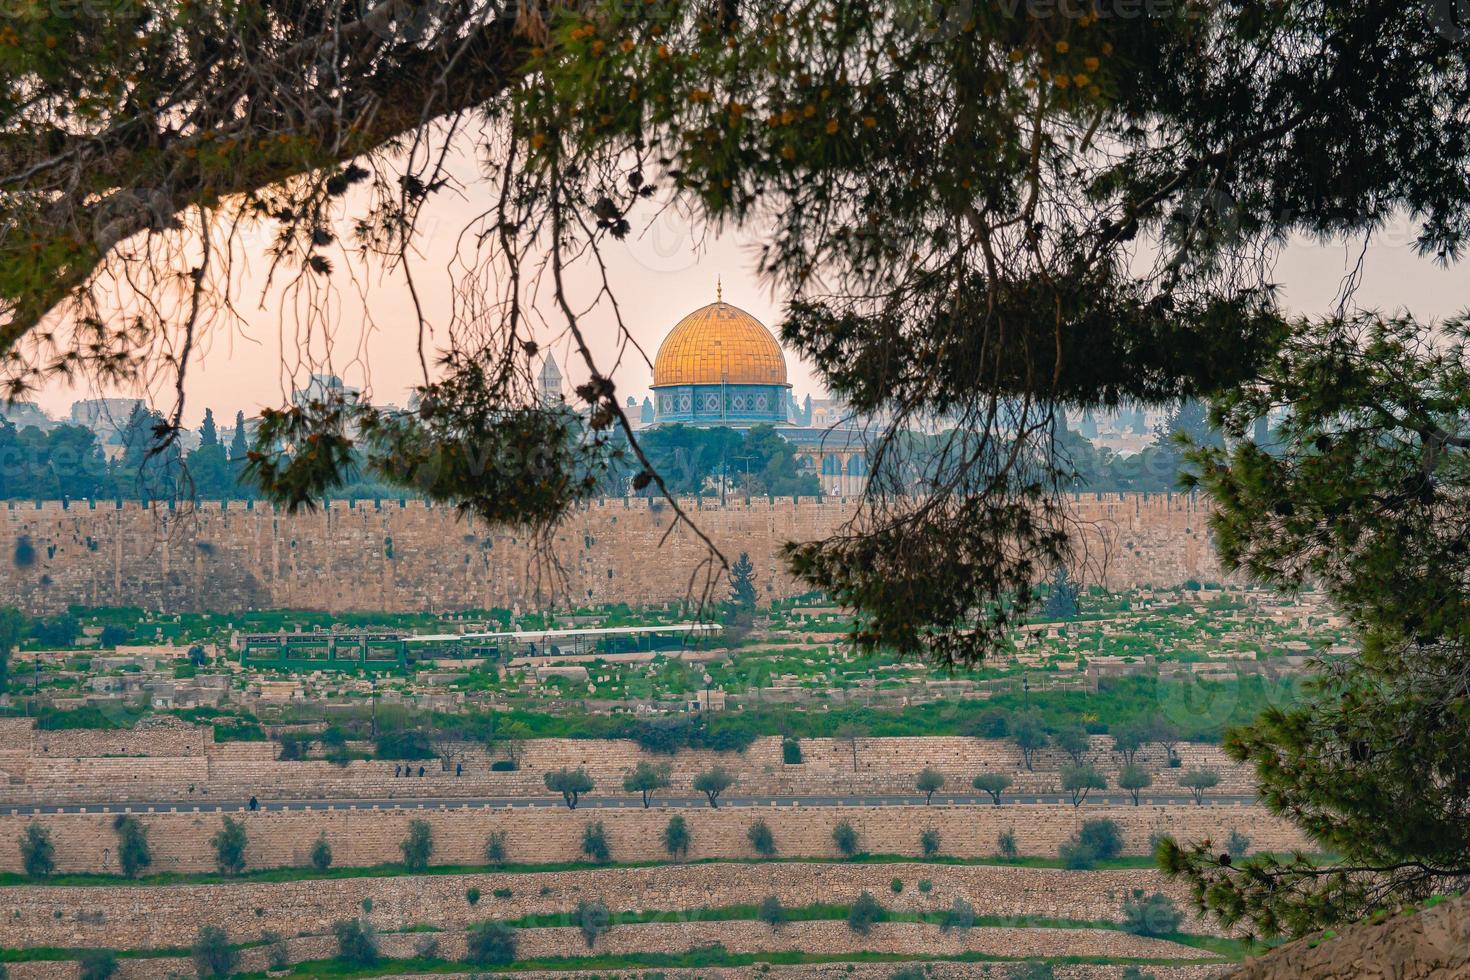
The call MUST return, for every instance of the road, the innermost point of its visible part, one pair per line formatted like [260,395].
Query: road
[594,803]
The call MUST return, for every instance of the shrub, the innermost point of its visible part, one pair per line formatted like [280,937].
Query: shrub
[1154,915]
[929,781]
[133,854]
[37,853]
[1237,844]
[992,783]
[1076,857]
[321,853]
[229,847]
[277,956]
[418,846]
[570,783]
[1135,779]
[97,964]
[865,912]
[771,912]
[929,842]
[294,746]
[925,886]
[426,948]
[490,944]
[502,893]
[712,782]
[1005,845]
[594,843]
[1103,836]
[846,839]
[1081,779]
[791,751]
[761,839]
[504,765]
[1134,973]
[357,942]
[1073,740]
[1097,840]
[404,746]
[1032,971]
[213,956]
[960,915]
[645,779]
[896,886]
[334,745]
[909,973]
[472,895]
[593,919]
[495,847]
[1199,780]
[676,838]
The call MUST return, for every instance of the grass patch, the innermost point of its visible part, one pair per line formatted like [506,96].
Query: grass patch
[695,959]
[268,875]
[1233,950]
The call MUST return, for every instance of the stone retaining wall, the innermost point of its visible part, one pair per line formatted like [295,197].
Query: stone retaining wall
[736,937]
[825,971]
[182,763]
[158,917]
[181,841]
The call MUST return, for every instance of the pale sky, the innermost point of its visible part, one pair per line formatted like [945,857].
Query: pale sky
[659,275]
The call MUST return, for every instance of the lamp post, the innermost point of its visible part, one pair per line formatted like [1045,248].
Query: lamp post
[747,460]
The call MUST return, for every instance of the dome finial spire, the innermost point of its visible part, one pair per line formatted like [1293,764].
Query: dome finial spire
[719,289]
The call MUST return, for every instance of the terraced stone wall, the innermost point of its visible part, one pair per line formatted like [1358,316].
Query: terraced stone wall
[178,764]
[180,841]
[166,916]
[385,555]
[830,938]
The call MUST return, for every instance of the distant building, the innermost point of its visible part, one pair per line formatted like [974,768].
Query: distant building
[105,416]
[324,388]
[549,390]
[26,414]
[720,366]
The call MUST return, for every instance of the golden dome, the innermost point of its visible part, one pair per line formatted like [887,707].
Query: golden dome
[719,344]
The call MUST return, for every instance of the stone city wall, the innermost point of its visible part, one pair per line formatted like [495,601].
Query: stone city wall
[186,764]
[180,841]
[156,917]
[408,556]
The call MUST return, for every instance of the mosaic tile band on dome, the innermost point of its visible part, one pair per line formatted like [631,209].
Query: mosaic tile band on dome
[721,366]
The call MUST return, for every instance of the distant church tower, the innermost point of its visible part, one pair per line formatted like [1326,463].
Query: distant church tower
[548,384]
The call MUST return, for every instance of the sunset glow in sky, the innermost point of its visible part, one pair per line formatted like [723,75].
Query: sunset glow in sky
[659,274]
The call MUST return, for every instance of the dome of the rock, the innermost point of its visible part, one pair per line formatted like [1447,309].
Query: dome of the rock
[720,366]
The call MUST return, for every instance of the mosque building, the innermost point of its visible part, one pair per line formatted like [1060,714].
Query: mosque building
[721,366]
